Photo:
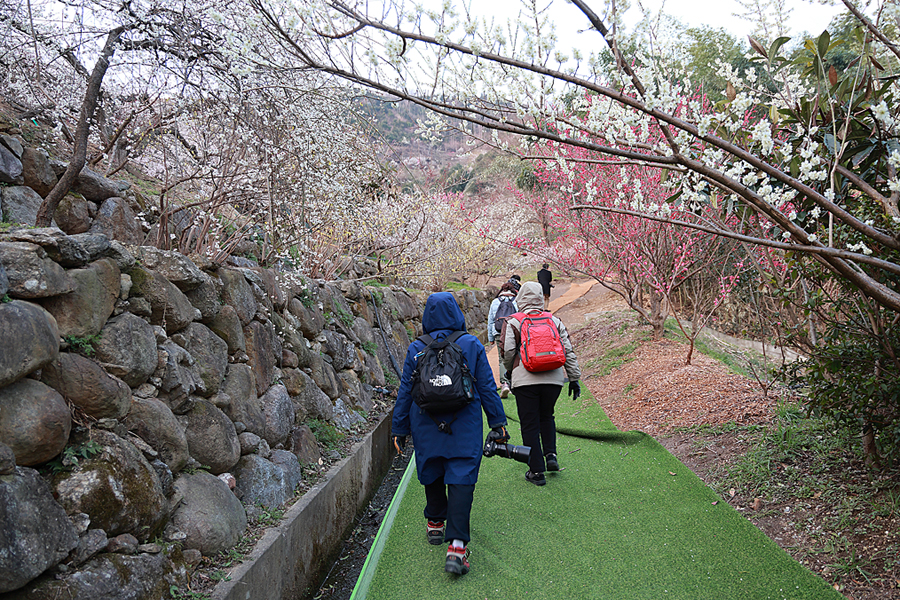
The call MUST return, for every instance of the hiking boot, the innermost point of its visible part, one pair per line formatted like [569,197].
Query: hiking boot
[504,391]
[457,560]
[552,463]
[536,478]
[434,531]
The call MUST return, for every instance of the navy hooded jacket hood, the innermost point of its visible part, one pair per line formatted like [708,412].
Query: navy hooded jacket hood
[442,313]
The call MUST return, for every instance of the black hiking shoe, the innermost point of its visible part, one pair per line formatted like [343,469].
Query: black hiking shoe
[434,531]
[552,463]
[536,478]
[457,560]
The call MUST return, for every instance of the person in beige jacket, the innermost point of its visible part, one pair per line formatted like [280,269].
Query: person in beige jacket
[536,393]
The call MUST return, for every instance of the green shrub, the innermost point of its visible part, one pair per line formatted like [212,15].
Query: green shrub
[269,516]
[72,455]
[389,377]
[83,345]
[306,298]
[377,297]
[345,317]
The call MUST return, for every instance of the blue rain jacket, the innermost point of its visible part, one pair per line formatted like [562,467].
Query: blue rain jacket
[456,456]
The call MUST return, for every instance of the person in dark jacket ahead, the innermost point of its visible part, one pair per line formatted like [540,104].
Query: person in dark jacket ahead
[544,277]
[447,463]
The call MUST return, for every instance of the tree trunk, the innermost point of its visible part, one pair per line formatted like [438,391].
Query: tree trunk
[82,131]
[659,310]
[870,450]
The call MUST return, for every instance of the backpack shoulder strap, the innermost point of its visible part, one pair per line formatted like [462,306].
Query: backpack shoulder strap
[517,335]
[454,336]
[425,338]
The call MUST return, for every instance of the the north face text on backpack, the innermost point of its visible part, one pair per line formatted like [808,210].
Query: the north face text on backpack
[440,381]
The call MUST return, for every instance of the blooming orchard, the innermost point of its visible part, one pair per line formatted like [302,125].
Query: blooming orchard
[801,146]
[235,106]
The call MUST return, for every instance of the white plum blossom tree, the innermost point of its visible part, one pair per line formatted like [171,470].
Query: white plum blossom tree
[249,154]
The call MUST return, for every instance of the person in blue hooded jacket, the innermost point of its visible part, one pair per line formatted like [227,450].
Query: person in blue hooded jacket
[447,462]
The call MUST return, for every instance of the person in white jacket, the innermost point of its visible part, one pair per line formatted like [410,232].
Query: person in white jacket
[536,393]
[507,294]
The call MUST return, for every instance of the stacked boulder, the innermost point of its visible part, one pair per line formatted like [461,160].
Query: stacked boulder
[95,204]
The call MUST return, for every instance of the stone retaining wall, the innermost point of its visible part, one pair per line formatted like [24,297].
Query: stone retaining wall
[152,403]
[291,560]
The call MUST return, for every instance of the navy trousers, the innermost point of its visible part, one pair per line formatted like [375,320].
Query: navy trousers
[535,405]
[451,503]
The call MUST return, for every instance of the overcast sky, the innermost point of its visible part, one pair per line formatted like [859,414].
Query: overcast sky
[806,16]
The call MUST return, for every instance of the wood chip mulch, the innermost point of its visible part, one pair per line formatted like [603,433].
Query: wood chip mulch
[656,391]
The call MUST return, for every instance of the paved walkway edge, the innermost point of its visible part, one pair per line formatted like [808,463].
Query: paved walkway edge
[291,560]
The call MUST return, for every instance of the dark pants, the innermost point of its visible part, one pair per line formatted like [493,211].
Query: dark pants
[504,374]
[535,404]
[451,503]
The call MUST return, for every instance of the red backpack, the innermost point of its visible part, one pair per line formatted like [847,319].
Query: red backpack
[540,348]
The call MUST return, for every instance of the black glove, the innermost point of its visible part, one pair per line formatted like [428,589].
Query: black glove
[399,443]
[498,434]
[574,389]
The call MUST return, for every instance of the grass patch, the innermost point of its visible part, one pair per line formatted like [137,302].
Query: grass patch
[455,286]
[326,434]
[796,456]
[612,359]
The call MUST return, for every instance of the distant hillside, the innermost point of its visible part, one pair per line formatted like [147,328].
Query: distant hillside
[449,164]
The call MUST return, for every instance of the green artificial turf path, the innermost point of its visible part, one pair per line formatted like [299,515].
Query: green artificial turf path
[622,520]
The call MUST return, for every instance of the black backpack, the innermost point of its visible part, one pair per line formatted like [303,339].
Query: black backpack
[442,382]
[504,310]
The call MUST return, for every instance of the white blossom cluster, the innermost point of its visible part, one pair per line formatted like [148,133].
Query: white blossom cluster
[209,106]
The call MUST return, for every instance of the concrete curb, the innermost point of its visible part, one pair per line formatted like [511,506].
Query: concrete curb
[290,561]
